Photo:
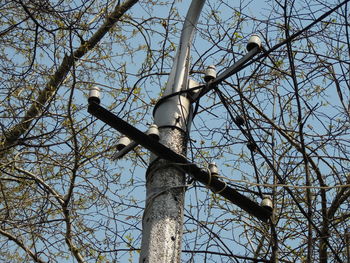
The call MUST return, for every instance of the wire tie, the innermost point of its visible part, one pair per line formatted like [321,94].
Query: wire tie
[220,191]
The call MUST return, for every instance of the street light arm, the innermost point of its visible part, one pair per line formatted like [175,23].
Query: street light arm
[179,73]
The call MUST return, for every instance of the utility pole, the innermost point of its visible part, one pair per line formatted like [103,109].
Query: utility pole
[162,223]
[347,244]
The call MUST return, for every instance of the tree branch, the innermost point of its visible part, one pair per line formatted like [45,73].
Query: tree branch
[21,245]
[10,138]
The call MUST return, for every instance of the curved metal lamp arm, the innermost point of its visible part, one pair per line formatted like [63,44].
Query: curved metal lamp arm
[179,73]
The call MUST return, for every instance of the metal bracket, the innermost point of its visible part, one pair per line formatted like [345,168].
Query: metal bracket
[202,175]
[174,111]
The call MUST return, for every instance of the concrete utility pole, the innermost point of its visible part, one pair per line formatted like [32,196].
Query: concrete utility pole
[165,177]
[165,182]
[347,244]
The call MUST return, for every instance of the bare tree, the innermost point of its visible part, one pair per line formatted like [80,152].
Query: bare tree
[278,128]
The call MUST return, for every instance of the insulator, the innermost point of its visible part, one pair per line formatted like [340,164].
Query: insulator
[210,73]
[252,146]
[213,168]
[239,120]
[267,203]
[94,95]
[122,143]
[254,41]
[153,131]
